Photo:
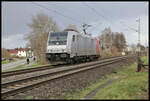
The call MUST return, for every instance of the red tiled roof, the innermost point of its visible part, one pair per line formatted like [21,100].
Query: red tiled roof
[13,51]
[16,51]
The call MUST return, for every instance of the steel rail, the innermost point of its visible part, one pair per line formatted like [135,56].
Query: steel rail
[22,71]
[50,73]
[39,68]
[63,73]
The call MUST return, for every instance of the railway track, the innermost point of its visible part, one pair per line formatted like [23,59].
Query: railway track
[17,86]
[22,71]
[40,68]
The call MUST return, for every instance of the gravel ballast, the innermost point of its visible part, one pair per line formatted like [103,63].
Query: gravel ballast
[69,84]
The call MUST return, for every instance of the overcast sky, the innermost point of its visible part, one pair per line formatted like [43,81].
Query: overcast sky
[116,15]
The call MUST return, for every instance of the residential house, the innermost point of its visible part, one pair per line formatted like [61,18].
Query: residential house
[18,52]
[21,52]
[13,52]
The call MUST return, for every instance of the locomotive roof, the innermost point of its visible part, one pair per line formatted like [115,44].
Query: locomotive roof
[85,35]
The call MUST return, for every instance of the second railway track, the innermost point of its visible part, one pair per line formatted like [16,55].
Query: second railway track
[17,72]
[20,85]
[40,68]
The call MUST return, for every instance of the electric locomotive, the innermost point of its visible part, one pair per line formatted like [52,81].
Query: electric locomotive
[70,46]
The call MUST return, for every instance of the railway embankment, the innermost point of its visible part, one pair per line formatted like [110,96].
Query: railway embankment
[126,83]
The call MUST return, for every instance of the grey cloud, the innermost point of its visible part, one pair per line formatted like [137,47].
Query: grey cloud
[16,15]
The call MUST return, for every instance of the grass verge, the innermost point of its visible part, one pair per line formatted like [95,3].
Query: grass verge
[6,61]
[130,85]
[29,97]
[39,64]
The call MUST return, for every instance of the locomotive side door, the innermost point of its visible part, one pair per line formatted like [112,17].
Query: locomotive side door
[73,46]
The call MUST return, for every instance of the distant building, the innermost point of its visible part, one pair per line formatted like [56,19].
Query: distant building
[18,52]
[13,52]
[21,52]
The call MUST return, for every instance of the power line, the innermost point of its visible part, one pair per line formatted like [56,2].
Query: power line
[74,20]
[96,12]
[68,10]
[96,26]
[62,9]
[102,16]
[128,26]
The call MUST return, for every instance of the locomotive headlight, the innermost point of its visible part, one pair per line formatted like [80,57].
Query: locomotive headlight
[63,55]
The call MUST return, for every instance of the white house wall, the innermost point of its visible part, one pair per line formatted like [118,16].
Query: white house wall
[21,53]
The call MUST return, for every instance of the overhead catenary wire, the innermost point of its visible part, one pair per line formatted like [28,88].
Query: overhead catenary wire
[68,17]
[68,10]
[96,26]
[99,15]
[63,10]
[128,26]
[96,12]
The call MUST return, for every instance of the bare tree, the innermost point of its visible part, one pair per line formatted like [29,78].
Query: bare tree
[40,26]
[106,39]
[112,42]
[5,53]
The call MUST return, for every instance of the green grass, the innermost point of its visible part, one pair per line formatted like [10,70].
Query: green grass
[130,85]
[36,65]
[39,64]
[29,97]
[6,61]
[80,93]
[145,59]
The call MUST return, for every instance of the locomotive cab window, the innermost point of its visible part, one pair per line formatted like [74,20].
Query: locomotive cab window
[58,38]
[73,38]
